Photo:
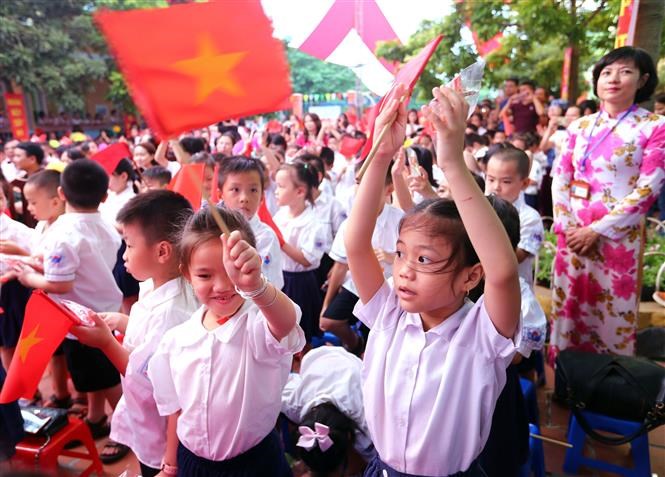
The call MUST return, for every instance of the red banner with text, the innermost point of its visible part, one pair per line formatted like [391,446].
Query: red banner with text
[17,115]
[626,23]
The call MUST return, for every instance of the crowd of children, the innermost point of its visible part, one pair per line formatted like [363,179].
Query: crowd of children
[413,269]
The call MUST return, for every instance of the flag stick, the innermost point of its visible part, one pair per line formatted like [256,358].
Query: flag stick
[552,441]
[375,146]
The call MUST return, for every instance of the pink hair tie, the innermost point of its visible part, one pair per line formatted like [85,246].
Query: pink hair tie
[310,437]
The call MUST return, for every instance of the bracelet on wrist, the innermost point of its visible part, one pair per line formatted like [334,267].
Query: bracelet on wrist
[250,295]
[169,469]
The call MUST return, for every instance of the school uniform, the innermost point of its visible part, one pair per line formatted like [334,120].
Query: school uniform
[82,248]
[13,295]
[329,374]
[532,235]
[429,396]
[331,214]
[384,237]
[109,209]
[345,191]
[267,245]
[227,384]
[307,234]
[326,187]
[157,311]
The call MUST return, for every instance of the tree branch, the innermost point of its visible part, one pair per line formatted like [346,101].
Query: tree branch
[600,7]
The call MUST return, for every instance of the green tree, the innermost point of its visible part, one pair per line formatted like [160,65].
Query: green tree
[535,35]
[50,46]
[311,75]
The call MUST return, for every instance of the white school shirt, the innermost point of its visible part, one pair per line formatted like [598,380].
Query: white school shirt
[267,245]
[326,187]
[385,235]
[83,247]
[429,396]
[271,198]
[330,213]
[227,382]
[15,231]
[536,173]
[114,202]
[156,312]
[532,234]
[345,191]
[306,233]
[329,374]
[534,322]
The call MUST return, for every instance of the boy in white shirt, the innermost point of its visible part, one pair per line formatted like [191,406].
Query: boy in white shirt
[151,224]
[507,176]
[78,263]
[341,295]
[241,180]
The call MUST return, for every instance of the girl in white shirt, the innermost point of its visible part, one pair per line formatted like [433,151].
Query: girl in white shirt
[306,240]
[435,363]
[222,372]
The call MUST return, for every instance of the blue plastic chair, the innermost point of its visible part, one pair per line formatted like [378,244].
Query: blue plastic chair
[535,465]
[531,401]
[326,338]
[639,446]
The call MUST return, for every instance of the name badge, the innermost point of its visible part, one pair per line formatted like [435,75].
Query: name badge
[580,190]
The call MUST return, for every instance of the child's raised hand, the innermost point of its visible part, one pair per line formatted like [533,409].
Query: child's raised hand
[98,336]
[447,112]
[394,114]
[242,262]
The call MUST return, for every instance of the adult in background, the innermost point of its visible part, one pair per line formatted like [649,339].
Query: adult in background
[606,179]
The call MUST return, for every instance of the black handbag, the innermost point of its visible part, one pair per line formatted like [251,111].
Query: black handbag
[43,421]
[622,387]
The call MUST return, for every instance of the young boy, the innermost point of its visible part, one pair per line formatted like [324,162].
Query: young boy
[507,176]
[151,223]
[341,295]
[78,260]
[241,181]
[156,177]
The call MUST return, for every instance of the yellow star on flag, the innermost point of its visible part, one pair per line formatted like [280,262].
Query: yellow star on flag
[26,344]
[211,69]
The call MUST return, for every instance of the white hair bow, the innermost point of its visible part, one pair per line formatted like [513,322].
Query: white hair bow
[309,437]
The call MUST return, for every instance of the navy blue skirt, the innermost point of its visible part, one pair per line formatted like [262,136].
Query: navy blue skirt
[377,468]
[265,459]
[13,298]
[303,288]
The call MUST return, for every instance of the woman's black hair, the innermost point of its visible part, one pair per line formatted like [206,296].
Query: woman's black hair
[124,165]
[589,104]
[643,62]
[425,161]
[341,433]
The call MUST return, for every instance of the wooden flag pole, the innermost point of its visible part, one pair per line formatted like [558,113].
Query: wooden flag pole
[552,441]
[375,146]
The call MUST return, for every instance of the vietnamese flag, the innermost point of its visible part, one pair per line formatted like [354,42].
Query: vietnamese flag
[188,182]
[112,155]
[191,65]
[45,325]
[350,146]
[407,75]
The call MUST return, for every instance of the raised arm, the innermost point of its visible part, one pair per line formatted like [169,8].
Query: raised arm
[489,239]
[365,268]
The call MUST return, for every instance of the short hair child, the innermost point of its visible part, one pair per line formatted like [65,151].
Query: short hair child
[241,184]
[156,177]
[78,264]
[245,323]
[152,224]
[509,184]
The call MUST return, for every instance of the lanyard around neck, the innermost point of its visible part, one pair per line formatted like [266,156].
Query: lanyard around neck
[588,151]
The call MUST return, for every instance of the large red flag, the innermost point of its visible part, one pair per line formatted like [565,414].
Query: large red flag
[191,65]
[45,325]
[188,181]
[112,155]
[408,75]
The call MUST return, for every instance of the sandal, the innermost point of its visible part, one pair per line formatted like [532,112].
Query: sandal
[112,452]
[60,403]
[79,407]
[99,429]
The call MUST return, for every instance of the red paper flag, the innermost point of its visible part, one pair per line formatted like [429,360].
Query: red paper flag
[111,156]
[188,181]
[214,190]
[266,218]
[350,146]
[45,325]
[191,65]
[408,75]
